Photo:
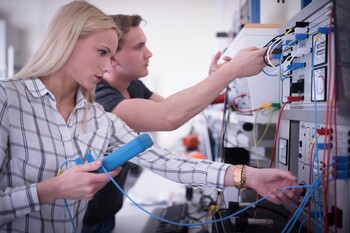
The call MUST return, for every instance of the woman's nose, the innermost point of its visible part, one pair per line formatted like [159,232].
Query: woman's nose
[108,66]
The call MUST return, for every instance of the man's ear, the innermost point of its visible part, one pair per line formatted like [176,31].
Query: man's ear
[113,61]
[116,59]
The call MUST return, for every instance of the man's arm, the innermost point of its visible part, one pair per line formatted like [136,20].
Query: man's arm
[172,112]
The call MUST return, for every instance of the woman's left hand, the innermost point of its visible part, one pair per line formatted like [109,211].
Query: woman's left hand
[214,65]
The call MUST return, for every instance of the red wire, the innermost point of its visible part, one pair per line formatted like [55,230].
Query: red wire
[242,111]
[330,111]
[331,70]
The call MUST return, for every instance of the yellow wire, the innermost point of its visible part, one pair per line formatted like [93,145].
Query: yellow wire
[287,32]
[255,145]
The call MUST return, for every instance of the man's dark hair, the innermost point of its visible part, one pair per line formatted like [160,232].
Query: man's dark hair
[124,23]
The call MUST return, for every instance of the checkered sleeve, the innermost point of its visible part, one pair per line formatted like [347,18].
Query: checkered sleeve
[175,167]
[183,169]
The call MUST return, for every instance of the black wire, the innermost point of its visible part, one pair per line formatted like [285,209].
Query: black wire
[223,128]
[269,43]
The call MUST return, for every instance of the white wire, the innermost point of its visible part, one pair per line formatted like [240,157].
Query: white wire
[277,42]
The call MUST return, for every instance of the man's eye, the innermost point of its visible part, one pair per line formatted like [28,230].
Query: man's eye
[102,52]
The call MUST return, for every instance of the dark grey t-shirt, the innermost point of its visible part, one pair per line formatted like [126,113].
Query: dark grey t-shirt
[109,97]
[109,200]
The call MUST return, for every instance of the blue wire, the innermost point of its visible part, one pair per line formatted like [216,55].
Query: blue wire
[65,201]
[70,215]
[300,208]
[177,223]
[314,157]
[271,75]
[302,205]
[194,224]
[281,58]
[318,193]
[315,126]
[301,225]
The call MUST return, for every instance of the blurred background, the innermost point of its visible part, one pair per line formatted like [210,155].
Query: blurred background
[183,35]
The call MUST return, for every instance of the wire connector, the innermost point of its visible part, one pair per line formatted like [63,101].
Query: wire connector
[296,65]
[323,146]
[295,98]
[325,30]
[301,36]
[276,105]
[276,55]
[324,131]
[78,161]
[291,42]
[265,105]
[342,163]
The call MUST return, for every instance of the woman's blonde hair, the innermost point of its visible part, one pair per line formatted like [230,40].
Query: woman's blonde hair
[72,21]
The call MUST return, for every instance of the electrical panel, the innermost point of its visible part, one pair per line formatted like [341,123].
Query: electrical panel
[307,83]
[313,139]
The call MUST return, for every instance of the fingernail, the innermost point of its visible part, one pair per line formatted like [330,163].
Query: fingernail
[98,162]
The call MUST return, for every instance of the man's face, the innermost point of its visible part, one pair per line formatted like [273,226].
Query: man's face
[133,58]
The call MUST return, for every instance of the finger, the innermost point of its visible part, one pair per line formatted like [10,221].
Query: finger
[289,192]
[103,178]
[296,198]
[216,58]
[275,198]
[89,167]
[283,197]
[227,58]
[115,172]
[287,176]
[252,48]
[262,51]
[299,190]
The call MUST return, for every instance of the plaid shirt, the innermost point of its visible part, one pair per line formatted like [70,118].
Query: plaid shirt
[36,141]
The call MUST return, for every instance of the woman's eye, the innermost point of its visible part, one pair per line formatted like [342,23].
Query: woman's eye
[102,52]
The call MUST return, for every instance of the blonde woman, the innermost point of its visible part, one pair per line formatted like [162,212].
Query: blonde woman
[47,119]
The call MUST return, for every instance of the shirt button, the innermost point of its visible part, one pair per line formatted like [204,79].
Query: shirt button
[66,139]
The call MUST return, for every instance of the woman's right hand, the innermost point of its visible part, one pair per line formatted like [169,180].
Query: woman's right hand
[77,183]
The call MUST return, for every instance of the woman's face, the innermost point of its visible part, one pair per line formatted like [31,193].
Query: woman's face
[92,57]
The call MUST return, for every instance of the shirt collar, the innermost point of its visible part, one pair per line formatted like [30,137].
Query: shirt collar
[38,89]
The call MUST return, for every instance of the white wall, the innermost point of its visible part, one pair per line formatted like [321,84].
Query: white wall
[181,35]
[278,12]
